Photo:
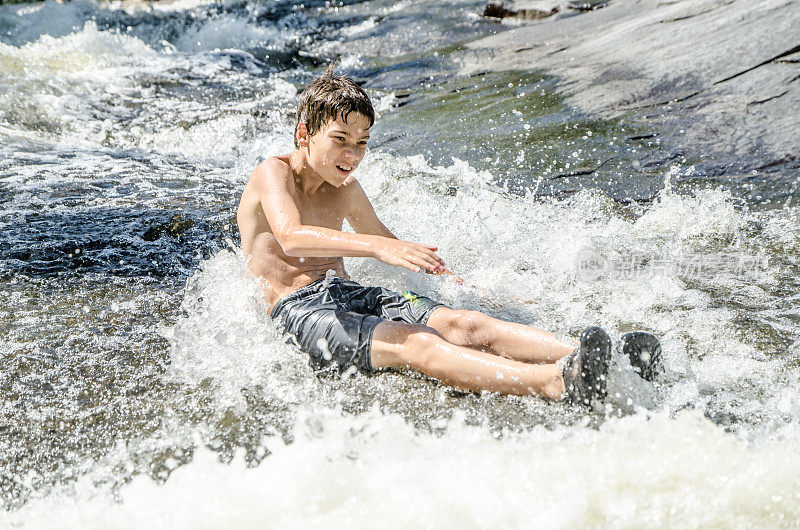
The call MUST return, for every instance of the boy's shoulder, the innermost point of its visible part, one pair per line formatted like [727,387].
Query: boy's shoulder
[271,174]
[274,168]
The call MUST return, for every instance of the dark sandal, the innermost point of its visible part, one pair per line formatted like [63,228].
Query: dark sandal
[585,369]
[644,352]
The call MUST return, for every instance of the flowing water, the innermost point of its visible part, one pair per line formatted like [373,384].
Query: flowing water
[143,384]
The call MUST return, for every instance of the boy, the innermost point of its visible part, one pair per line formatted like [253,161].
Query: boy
[290,218]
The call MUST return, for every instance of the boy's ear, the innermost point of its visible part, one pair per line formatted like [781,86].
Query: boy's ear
[302,134]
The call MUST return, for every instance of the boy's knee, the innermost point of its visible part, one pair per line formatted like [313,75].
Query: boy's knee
[468,327]
[420,348]
[420,337]
[406,346]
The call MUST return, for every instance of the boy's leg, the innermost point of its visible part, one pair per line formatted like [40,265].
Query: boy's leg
[524,343]
[421,348]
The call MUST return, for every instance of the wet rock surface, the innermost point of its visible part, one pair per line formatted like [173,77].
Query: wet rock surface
[719,79]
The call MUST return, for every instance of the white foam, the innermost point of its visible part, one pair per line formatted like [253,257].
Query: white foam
[227,337]
[76,83]
[709,214]
[62,80]
[228,31]
[376,471]
[48,18]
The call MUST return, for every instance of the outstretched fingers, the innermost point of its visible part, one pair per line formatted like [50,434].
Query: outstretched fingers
[431,251]
[427,261]
[419,262]
[431,257]
[414,256]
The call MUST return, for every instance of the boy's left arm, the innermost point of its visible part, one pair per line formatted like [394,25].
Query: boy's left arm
[360,213]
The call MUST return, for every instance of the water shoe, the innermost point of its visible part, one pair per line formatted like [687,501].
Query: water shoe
[644,352]
[585,369]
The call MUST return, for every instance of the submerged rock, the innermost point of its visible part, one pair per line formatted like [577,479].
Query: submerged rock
[517,10]
[174,227]
[538,9]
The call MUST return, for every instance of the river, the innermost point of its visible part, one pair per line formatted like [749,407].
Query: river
[143,384]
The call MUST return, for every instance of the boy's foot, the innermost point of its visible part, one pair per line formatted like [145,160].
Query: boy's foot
[644,352]
[585,369]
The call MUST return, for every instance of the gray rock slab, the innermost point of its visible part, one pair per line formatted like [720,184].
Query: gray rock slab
[721,77]
[541,5]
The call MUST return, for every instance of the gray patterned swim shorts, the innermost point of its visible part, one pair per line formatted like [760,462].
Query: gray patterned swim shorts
[333,320]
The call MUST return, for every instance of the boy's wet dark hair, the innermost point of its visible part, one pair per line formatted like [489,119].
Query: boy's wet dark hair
[328,97]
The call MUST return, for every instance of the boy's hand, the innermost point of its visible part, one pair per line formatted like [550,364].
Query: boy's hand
[413,256]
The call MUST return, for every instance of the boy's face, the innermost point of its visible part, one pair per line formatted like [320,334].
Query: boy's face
[338,147]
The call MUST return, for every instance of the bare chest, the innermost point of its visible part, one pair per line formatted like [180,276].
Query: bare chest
[322,209]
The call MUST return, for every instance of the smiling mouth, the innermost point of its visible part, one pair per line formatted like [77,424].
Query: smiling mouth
[345,168]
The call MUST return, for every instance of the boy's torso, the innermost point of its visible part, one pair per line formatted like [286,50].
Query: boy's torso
[266,259]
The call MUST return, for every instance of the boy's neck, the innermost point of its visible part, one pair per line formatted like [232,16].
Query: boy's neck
[307,179]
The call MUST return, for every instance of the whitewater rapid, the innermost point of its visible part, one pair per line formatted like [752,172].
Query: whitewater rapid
[144,384]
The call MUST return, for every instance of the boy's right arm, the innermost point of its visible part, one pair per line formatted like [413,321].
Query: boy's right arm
[273,181]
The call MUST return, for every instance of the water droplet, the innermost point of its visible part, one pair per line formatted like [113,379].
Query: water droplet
[350,372]
[322,344]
